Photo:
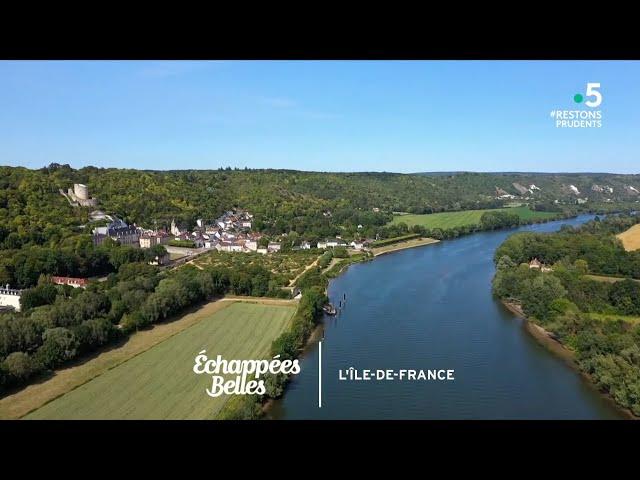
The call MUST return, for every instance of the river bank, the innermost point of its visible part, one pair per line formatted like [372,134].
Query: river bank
[414,316]
[551,343]
[416,242]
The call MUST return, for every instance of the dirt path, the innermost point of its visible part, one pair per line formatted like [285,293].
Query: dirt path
[331,264]
[33,396]
[311,265]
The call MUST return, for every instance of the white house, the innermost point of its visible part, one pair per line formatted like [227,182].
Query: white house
[322,245]
[356,245]
[223,246]
[305,245]
[274,247]
[210,243]
[10,297]
[262,251]
[251,245]
[236,247]
[336,243]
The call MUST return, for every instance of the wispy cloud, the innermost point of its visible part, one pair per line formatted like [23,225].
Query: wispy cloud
[315,115]
[278,102]
[294,108]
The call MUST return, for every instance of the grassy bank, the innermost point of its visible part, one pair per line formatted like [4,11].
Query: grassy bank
[551,343]
[159,384]
[415,242]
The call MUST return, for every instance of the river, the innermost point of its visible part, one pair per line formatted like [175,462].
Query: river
[431,307]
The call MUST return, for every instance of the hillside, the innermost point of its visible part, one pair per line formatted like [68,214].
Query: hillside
[312,203]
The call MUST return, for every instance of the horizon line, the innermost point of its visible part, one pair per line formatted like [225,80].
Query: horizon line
[429,172]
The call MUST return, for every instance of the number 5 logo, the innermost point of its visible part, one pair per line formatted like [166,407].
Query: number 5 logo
[592,92]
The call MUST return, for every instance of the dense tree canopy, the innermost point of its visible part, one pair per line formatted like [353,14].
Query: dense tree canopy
[599,320]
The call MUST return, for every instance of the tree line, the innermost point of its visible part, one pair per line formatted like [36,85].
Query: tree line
[60,323]
[598,320]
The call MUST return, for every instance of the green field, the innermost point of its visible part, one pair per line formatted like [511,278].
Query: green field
[448,220]
[160,383]
[608,279]
[609,317]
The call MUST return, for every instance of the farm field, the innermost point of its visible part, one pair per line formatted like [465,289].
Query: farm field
[447,220]
[630,238]
[160,384]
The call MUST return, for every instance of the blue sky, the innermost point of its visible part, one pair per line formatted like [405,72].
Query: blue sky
[397,116]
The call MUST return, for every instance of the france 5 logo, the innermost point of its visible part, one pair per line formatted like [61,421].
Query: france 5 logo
[593,93]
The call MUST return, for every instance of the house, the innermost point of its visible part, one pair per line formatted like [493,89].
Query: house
[357,245]
[297,293]
[10,298]
[245,224]
[199,242]
[161,260]
[237,246]
[251,245]
[305,245]
[262,251]
[118,231]
[336,243]
[211,243]
[148,241]
[273,247]
[71,281]
[224,246]
[537,264]
[322,245]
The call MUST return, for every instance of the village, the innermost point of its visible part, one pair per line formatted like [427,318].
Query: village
[231,232]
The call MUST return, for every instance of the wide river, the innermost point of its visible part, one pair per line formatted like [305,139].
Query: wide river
[431,307]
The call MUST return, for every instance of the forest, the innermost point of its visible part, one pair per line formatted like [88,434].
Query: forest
[59,323]
[312,204]
[598,320]
[42,234]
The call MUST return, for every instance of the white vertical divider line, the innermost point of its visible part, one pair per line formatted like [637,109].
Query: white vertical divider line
[320,375]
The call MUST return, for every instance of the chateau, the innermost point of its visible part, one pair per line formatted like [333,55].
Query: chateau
[10,298]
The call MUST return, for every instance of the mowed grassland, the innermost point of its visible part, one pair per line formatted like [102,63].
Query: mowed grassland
[631,238]
[447,220]
[612,317]
[160,383]
[603,278]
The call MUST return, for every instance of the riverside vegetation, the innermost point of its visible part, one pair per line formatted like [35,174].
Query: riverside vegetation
[60,323]
[597,320]
[41,234]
